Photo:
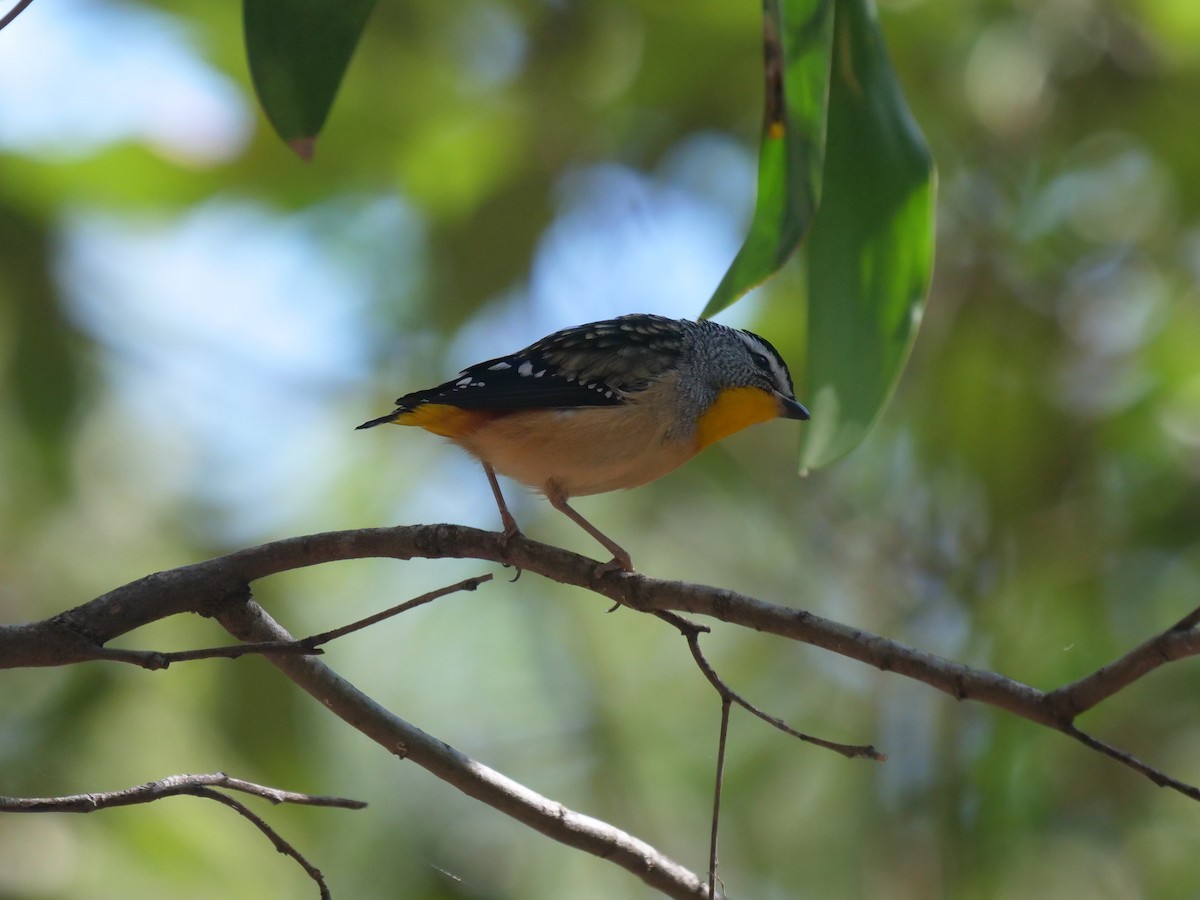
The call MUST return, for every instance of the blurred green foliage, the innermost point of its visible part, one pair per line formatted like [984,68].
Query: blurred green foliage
[1030,502]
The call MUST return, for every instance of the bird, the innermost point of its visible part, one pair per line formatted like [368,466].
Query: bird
[604,406]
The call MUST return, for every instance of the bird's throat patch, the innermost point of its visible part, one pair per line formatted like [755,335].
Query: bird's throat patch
[735,409]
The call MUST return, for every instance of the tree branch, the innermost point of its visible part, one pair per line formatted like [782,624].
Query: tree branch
[220,587]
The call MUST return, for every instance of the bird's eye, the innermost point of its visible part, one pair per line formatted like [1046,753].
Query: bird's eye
[760,360]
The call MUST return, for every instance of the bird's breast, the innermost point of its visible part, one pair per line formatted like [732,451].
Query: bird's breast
[583,451]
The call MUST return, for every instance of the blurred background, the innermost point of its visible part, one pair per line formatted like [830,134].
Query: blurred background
[192,322]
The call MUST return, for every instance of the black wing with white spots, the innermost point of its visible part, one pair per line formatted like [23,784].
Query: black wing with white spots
[597,364]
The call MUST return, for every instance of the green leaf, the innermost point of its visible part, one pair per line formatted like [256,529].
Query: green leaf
[870,252]
[797,42]
[298,52]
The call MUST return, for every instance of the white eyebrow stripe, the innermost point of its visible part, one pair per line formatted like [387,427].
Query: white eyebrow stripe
[782,379]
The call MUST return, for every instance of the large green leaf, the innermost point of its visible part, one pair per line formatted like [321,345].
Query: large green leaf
[797,41]
[870,251]
[298,52]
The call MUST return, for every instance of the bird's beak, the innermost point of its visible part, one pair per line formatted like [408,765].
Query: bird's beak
[791,409]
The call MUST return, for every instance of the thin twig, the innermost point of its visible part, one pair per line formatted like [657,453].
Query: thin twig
[171,786]
[1157,776]
[467,584]
[692,632]
[194,786]
[155,660]
[14,12]
[272,835]
[719,782]
[310,646]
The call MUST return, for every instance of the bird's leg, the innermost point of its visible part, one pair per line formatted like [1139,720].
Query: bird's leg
[620,560]
[511,529]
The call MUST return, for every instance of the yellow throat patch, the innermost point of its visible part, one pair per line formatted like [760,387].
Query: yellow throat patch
[735,409]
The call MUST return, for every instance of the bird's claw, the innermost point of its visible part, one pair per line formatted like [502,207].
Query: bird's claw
[621,563]
[511,531]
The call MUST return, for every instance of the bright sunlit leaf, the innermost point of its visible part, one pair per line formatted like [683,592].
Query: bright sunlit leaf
[870,252]
[298,52]
[797,40]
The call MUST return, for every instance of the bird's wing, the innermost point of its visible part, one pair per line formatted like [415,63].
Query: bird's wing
[599,364]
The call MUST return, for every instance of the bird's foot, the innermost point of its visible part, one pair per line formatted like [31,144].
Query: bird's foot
[510,532]
[619,563]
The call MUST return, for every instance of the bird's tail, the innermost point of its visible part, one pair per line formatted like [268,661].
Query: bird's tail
[383,420]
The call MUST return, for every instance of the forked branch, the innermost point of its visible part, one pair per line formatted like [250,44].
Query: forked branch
[196,786]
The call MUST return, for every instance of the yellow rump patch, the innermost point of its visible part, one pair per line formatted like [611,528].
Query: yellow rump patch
[735,409]
[443,419]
